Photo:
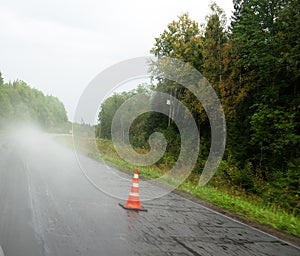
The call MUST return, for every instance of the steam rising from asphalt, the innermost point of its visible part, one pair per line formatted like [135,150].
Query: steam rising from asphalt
[43,157]
[29,137]
[27,134]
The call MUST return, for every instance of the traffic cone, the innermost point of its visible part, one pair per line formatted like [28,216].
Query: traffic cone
[133,202]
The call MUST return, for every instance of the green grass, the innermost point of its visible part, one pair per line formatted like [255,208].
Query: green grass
[251,209]
[236,201]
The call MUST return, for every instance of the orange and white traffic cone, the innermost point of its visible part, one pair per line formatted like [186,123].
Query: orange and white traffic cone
[133,202]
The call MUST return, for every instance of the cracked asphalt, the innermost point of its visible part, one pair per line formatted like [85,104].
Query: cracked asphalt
[48,207]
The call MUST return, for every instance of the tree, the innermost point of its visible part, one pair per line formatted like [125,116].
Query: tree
[182,40]
[1,79]
[6,109]
[254,32]
[214,40]
[21,103]
[265,61]
[288,25]
[106,115]
[274,132]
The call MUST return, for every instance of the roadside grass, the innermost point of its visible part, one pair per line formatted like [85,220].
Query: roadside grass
[237,201]
[245,206]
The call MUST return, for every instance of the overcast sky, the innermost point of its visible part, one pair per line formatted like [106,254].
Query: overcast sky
[59,46]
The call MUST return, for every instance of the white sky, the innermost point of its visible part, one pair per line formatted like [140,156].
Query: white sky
[59,46]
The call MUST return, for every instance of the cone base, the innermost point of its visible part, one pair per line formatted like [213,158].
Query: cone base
[133,209]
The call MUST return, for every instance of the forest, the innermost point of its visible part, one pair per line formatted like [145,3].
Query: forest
[253,64]
[21,104]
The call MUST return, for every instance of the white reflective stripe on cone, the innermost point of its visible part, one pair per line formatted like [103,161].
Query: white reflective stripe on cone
[135,185]
[135,176]
[134,194]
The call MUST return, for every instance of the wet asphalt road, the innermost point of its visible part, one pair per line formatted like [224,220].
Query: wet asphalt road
[48,207]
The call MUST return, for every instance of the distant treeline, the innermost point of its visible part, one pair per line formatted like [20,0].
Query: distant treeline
[254,67]
[19,103]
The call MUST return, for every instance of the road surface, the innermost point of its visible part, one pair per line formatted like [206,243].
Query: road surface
[48,207]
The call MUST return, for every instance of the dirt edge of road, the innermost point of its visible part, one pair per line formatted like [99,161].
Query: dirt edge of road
[263,227]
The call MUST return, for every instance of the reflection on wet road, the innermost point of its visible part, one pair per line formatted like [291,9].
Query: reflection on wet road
[48,207]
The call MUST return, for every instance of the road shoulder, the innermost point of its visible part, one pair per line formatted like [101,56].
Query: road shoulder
[280,234]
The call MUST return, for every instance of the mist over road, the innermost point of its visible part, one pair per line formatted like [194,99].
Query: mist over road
[48,207]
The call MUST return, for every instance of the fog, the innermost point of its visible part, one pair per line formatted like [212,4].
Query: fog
[27,138]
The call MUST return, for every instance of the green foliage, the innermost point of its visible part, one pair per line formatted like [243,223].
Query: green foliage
[289,30]
[274,132]
[138,133]
[1,79]
[108,110]
[284,190]
[21,103]
[214,40]
[111,105]
[5,106]
[182,40]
